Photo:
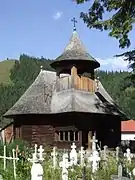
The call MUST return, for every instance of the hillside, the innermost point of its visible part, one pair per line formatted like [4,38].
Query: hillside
[5,67]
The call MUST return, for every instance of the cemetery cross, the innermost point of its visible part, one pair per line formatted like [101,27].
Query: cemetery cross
[94,141]
[94,158]
[119,176]
[64,164]
[73,155]
[82,153]
[40,151]
[54,155]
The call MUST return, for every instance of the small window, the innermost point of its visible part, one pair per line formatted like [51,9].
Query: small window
[66,136]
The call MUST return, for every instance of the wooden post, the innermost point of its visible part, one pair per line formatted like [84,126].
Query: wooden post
[17,151]
[73,71]
[4,157]
[78,133]
[57,82]
[63,136]
[68,136]
[58,136]
[73,75]
[74,136]
[14,163]
[89,140]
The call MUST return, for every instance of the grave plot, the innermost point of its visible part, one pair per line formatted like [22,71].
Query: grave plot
[77,164]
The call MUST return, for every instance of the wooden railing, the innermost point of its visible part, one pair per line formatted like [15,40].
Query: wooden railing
[76,82]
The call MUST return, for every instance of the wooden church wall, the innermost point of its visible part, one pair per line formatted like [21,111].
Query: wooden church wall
[67,129]
[109,131]
[35,134]
[43,134]
[38,131]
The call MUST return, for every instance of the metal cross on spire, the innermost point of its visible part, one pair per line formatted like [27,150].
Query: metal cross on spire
[74,21]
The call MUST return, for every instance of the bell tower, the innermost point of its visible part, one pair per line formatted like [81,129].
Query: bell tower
[75,55]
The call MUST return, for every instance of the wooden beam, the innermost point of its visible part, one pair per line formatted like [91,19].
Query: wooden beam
[89,140]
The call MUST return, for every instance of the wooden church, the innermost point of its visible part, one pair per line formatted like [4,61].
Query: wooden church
[66,106]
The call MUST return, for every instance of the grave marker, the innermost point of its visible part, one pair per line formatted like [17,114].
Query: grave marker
[119,176]
[65,164]
[36,170]
[94,141]
[95,161]
[73,155]
[128,155]
[13,158]
[40,151]
[54,155]
[82,153]
[117,153]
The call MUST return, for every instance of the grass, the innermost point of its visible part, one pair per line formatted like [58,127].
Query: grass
[23,166]
[5,67]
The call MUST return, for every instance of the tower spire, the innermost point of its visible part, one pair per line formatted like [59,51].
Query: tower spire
[74,23]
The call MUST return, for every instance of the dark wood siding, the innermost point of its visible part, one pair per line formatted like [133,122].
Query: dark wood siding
[27,133]
[41,129]
[43,134]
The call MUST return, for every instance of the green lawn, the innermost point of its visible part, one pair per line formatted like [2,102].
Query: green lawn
[5,67]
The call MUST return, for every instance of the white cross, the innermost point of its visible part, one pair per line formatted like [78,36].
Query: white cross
[128,155]
[94,141]
[117,153]
[40,151]
[64,164]
[73,146]
[82,153]
[119,176]
[73,155]
[4,157]
[37,155]
[95,161]
[34,158]
[54,155]
[17,150]
[37,169]
[10,158]
[14,163]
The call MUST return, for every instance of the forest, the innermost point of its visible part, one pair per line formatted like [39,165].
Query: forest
[26,69]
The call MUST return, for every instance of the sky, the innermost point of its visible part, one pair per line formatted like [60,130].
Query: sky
[43,28]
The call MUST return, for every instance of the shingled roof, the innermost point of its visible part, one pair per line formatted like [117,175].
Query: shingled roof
[37,98]
[42,98]
[75,51]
